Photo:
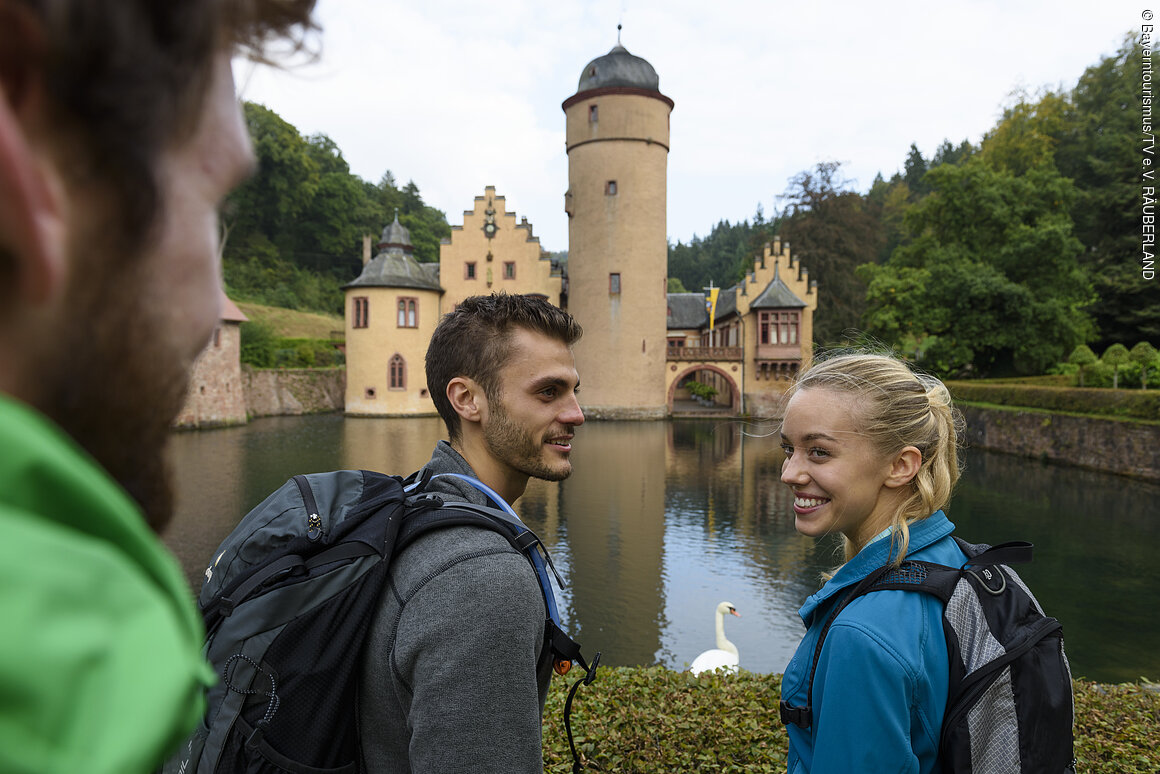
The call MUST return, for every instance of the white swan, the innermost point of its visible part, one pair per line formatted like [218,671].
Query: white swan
[724,656]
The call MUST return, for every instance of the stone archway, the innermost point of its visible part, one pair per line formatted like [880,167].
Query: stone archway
[693,368]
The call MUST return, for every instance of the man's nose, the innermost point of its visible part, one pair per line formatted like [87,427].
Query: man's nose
[572,414]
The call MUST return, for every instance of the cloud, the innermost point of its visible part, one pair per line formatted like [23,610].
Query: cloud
[459,95]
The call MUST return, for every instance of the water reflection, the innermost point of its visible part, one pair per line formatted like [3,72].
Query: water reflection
[663,520]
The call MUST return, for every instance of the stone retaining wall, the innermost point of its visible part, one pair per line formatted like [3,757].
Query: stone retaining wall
[1108,445]
[292,391]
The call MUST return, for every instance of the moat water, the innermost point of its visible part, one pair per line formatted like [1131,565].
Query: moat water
[662,520]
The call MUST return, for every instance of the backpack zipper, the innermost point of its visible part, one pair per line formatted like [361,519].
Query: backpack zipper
[313,520]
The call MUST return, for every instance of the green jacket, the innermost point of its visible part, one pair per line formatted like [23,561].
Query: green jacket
[100,643]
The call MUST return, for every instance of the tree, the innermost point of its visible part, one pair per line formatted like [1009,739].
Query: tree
[915,170]
[1147,356]
[948,153]
[833,230]
[1026,137]
[990,270]
[676,286]
[281,190]
[1099,148]
[723,256]
[1116,356]
[1083,357]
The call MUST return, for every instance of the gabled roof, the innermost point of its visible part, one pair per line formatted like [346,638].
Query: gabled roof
[777,296]
[230,311]
[688,311]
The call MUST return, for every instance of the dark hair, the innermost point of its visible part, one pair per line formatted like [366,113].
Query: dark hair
[473,339]
[126,78]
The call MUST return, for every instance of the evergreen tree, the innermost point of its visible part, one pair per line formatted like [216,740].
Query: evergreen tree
[832,230]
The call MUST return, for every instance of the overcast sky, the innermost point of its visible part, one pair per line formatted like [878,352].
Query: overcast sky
[458,95]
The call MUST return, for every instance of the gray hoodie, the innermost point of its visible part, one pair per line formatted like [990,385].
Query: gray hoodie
[456,670]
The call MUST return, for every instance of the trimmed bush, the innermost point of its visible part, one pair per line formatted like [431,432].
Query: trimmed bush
[652,719]
[1129,404]
[261,348]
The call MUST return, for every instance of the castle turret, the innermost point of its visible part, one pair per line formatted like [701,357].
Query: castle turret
[618,144]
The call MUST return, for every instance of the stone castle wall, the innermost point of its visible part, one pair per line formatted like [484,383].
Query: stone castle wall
[216,397]
[1107,445]
[292,391]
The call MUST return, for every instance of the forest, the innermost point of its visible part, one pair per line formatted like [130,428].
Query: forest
[995,258]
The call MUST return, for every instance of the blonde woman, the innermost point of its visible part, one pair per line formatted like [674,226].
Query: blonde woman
[871,453]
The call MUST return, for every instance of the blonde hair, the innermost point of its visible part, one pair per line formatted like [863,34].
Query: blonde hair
[898,407]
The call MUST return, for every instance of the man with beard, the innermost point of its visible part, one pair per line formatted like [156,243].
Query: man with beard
[119,136]
[457,668]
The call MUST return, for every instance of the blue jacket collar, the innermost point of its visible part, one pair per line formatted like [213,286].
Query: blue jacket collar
[922,534]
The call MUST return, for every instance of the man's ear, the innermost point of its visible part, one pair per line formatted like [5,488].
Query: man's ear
[467,398]
[32,230]
[904,468]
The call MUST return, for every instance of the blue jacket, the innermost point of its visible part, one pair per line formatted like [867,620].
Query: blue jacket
[880,689]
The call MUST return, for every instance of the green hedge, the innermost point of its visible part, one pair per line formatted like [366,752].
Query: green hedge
[262,348]
[1132,404]
[651,719]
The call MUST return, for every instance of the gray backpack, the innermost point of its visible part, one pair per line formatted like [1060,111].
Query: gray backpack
[287,601]
[1009,707]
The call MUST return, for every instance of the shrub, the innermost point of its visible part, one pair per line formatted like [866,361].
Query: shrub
[652,720]
[1116,356]
[1136,404]
[262,349]
[258,344]
[1082,357]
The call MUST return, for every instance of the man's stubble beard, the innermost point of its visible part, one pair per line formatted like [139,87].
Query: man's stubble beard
[515,447]
[115,384]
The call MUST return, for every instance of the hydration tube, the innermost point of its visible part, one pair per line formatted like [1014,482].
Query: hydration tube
[537,559]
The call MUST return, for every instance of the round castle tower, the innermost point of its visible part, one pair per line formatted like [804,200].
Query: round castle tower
[618,143]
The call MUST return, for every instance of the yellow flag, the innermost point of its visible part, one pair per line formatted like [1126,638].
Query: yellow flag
[711,304]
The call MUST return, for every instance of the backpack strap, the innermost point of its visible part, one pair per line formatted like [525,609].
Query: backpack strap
[936,579]
[802,717]
[505,521]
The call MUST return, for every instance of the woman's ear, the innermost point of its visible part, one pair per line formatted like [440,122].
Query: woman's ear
[467,398]
[32,230]
[904,468]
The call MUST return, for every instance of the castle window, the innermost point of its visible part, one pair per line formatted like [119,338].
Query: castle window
[397,372]
[593,114]
[469,270]
[610,188]
[361,312]
[217,336]
[509,269]
[408,313]
[614,284]
[779,327]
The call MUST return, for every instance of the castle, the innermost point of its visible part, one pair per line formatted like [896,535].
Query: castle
[642,346]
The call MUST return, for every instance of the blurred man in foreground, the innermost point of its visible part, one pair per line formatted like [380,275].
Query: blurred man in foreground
[120,134]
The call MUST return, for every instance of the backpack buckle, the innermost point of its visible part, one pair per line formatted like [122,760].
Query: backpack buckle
[791,715]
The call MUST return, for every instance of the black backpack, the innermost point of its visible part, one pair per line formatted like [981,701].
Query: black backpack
[287,601]
[1009,707]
